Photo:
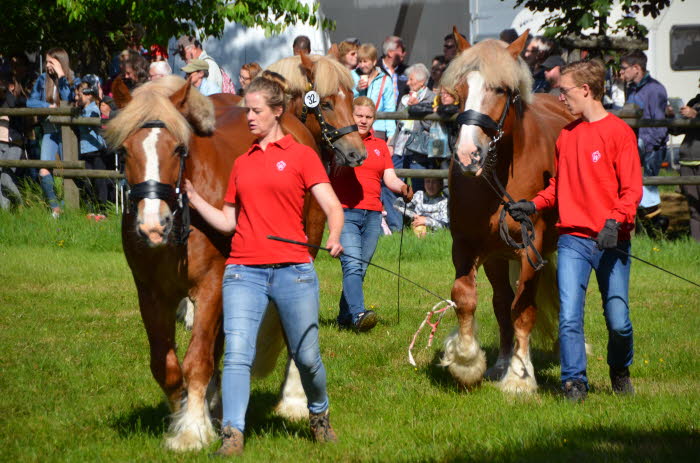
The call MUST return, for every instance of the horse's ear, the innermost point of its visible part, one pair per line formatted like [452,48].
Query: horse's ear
[196,108]
[179,98]
[120,93]
[334,52]
[307,66]
[460,41]
[518,45]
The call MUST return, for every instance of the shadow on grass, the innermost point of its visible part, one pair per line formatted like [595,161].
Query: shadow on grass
[598,444]
[261,419]
[148,419]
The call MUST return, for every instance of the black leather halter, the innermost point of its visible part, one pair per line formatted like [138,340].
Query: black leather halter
[329,133]
[527,228]
[173,195]
[471,117]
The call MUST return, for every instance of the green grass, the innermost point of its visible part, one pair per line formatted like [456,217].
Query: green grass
[76,385]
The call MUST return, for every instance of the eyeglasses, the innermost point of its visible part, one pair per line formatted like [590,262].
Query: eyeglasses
[243,79]
[565,91]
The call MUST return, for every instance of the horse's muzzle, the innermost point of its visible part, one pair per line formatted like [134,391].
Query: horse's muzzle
[350,159]
[154,228]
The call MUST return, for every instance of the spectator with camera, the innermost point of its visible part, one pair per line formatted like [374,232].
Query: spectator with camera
[92,145]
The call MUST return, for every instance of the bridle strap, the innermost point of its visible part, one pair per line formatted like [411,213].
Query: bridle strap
[471,117]
[527,228]
[174,196]
[152,189]
[329,134]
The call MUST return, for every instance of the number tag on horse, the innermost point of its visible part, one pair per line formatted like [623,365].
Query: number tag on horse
[311,99]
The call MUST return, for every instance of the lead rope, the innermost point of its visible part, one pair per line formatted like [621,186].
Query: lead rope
[183,203]
[527,228]
[435,309]
[398,281]
[433,326]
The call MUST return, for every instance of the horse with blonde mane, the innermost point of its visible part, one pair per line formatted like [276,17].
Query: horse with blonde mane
[513,133]
[169,132]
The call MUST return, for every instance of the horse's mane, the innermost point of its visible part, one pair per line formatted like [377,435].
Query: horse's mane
[329,75]
[495,64]
[151,101]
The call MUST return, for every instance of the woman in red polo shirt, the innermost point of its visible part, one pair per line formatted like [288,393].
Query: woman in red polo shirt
[359,190]
[265,196]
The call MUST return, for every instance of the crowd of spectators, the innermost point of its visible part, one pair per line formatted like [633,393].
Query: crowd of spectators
[381,73]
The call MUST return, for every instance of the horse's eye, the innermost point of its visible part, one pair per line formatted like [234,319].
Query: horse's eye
[327,105]
[499,90]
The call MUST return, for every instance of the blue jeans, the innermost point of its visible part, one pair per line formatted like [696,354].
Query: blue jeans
[577,257]
[359,239]
[247,291]
[51,147]
[651,164]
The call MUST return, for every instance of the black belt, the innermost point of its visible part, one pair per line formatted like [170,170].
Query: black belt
[280,265]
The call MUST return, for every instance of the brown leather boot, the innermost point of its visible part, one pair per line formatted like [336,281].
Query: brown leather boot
[321,428]
[231,443]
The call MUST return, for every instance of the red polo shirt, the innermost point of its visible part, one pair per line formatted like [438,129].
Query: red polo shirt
[598,177]
[360,187]
[268,188]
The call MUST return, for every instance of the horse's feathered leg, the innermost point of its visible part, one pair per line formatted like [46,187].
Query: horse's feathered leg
[191,428]
[160,328]
[497,273]
[463,357]
[520,376]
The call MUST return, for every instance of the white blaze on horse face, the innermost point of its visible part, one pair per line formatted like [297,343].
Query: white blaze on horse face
[152,206]
[468,133]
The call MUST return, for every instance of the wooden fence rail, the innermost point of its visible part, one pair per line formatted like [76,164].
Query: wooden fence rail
[66,116]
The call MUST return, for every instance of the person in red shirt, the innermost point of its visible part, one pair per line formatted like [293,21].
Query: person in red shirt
[359,189]
[596,190]
[265,196]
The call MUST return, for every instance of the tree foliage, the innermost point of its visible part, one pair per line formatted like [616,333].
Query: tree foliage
[93,30]
[578,15]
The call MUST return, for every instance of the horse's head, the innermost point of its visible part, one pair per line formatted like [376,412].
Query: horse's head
[322,97]
[153,133]
[493,83]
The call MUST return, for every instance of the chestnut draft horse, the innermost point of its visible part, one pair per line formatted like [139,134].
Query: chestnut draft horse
[170,132]
[514,133]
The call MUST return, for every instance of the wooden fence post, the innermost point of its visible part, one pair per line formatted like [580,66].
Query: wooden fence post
[71,194]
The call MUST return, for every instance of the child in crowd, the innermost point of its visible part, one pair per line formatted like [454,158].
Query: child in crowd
[427,209]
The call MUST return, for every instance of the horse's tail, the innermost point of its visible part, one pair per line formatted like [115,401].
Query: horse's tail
[546,328]
[269,344]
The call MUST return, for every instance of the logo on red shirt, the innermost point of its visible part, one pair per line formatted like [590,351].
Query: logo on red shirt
[377,152]
[281,165]
[595,156]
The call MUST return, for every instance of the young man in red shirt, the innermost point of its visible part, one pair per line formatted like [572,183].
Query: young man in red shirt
[596,190]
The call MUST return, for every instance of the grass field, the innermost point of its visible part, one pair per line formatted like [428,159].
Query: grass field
[76,386]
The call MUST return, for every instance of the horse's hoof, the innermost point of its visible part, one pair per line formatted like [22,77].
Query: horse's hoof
[189,441]
[465,361]
[521,381]
[293,409]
